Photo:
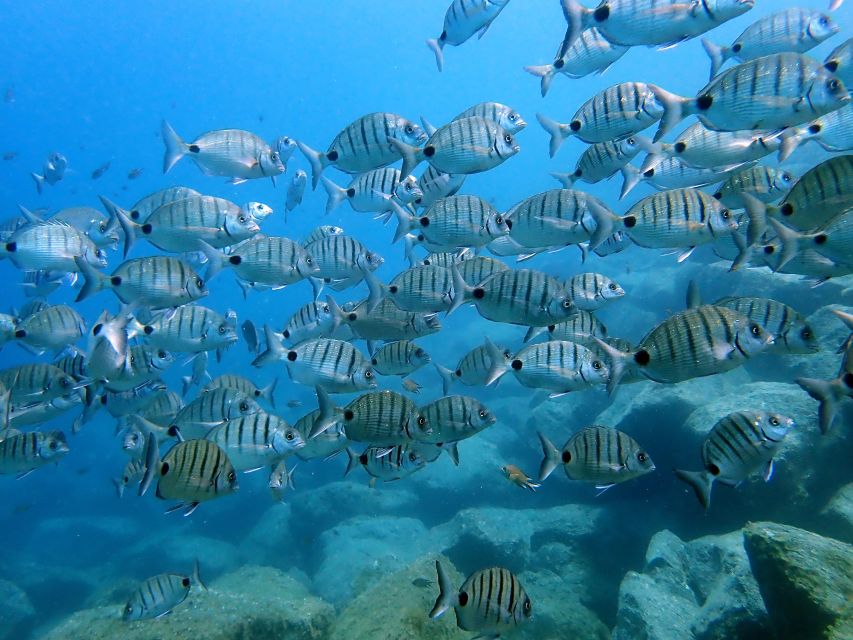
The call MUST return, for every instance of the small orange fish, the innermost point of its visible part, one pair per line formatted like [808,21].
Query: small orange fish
[517,476]
[411,386]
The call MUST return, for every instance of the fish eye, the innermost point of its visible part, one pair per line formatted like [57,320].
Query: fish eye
[221,328]
[132,359]
[242,218]
[774,421]
[527,606]
[508,139]
[99,253]
[244,406]
[755,329]
[642,456]
[833,85]
[513,117]
[409,186]
[596,365]
[806,334]
[162,354]
[631,141]
[309,261]
[824,21]
[567,304]
[410,128]
[482,413]
[725,214]
[786,177]
[499,220]
[368,374]
[412,456]
[289,435]
[325,308]
[199,283]
[274,155]
[419,353]
[232,476]
[52,445]
[128,609]
[612,286]
[421,421]
[102,227]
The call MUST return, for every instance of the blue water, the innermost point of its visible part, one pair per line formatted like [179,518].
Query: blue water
[94,79]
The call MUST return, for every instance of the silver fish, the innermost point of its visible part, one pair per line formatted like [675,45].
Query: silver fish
[386,321]
[699,146]
[52,246]
[36,381]
[435,184]
[603,159]
[340,261]
[479,268]
[212,409]
[556,217]
[590,291]
[323,231]
[386,466]
[455,418]
[473,368]
[311,320]
[368,192]
[673,173]
[143,208]
[53,328]
[454,222]
[144,363]
[505,116]
[399,358]
[792,332]
[737,446]
[379,417]
[244,385]
[131,475]
[191,328]
[832,131]
[256,440]
[52,172]
[821,193]
[92,222]
[767,184]
[26,452]
[462,20]
[322,445]
[296,190]
[158,595]
[580,329]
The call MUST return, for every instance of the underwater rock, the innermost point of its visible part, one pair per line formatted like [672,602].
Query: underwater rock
[58,539]
[390,606]
[838,514]
[558,613]
[361,550]
[253,603]
[698,590]
[271,542]
[806,580]
[179,552]
[16,608]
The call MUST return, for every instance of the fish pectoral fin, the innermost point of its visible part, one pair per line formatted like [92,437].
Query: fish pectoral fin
[722,350]
[253,469]
[602,488]
[165,613]
[768,470]
[236,180]
[24,474]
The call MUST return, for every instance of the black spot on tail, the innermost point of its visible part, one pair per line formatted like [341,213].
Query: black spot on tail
[821,238]
[815,128]
[348,414]
[680,147]
[458,373]
[363,458]
[148,330]
[374,361]
[185,582]
[704,102]
[479,293]
[97,329]
[736,47]
[642,357]
[443,36]
[832,66]
[578,173]
[567,457]
[602,13]
[235,260]
[769,249]
[787,209]
[134,215]
[350,192]
[146,228]
[848,380]
[286,333]
[332,156]
[649,173]
[172,431]
[20,333]
[559,64]
[429,151]
[392,289]
[463,598]
[629,222]
[352,317]
[194,148]
[517,364]
[291,355]
[718,195]
[11,247]
[575,125]
[713,469]
[115,281]
[424,221]
[164,469]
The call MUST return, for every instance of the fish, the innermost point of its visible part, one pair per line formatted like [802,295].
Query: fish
[771,92]
[340,260]
[698,146]
[384,322]
[311,320]
[134,173]
[296,190]
[193,471]
[479,268]
[455,418]
[590,53]
[158,595]
[832,131]
[323,445]
[280,480]
[368,192]
[244,385]
[36,381]
[766,184]
[602,455]
[673,173]
[399,358]
[211,409]
[435,184]
[132,474]
[10,155]
[619,111]
[840,61]
[191,328]
[505,116]
[591,291]
[52,172]
[421,582]
[256,440]
[830,393]
[491,601]
[179,225]
[661,23]
[24,453]
[466,146]
[39,283]
[796,29]
[232,153]
[518,477]
[143,208]
[335,365]
[365,144]
[99,228]
[603,160]
[447,258]
[143,363]
[462,20]
[383,465]
[832,240]
[737,446]
[52,246]
[690,344]
[286,147]
[454,222]
[425,289]
[250,335]
[580,329]
[474,367]
[101,170]
[108,349]
[322,231]
[53,328]
[158,282]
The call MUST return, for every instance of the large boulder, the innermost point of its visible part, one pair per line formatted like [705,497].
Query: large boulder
[252,603]
[838,514]
[271,542]
[179,553]
[699,590]
[558,613]
[806,580]
[16,609]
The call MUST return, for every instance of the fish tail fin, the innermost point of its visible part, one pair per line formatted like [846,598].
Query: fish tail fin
[793,138]
[315,159]
[128,226]
[631,177]
[337,194]
[268,392]
[29,215]
[352,461]
[557,130]
[617,362]
[93,281]
[498,366]
[437,47]
[408,250]
[152,461]
[429,129]
[462,291]
[550,458]
[652,148]
[675,109]
[404,220]
[375,288]
[39,180]
[566,179]
[176,148]
[694,297]
[545,73]
[445,592]
[196,579]
[216,260]
[790,242]
[701,481]
[412,156]
[604,222]
[328,414]
[119,485]
[717,54]
[446,376]
[577,16]
[452,449]
[827,393]
[274,351]
[756,211]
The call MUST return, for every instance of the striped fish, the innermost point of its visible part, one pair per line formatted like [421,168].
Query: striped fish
[212,409]
[830,393]
[614,243]
[454,418]
[157,282]
[840,61]
[244,385]
[256,440]
[378,417]
[144,363]
[322,231]
[191,328]
[834,240]
[491,601]
[23,453]
[38,380]
[38,412]
[136,400]
[832,131]
[591,291]
[52,246]
[74,365]
[579,329]
[364,144]
[699,146]
[672,219]
[556,217]
[158,595]
[295,191]
[473,368]
[590,53]
[764,183]
[163,409]
[469,145]
[399,358]
[792,332]
[340,260]
[479,268]
[311,320]
[91,222]
[617,112]
[447,258]
[672,173]
[435,185]
[335,365]
[193,471]
[462,20]
[385,465]
[31,307]
[796,29]
[132,474]
[454,222]
[819,195]
[768,93]
[178,225]
[265,261]
[385,322]
[233,153]
[505,116]
[143,208]
[557,366]
[519,296]
[322,445]
[691,344]
[603,159]
[649,22]
[737,446]
[419,289]
[43,283]
[53,328]
[368,192]
[597,454]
